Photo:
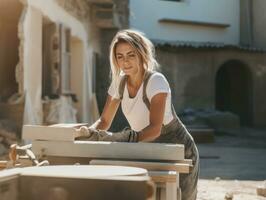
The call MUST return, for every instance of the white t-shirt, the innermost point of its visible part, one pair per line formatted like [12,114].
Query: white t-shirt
[135,110]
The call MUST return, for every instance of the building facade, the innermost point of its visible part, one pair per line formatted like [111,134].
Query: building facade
[212,53]
[48,58]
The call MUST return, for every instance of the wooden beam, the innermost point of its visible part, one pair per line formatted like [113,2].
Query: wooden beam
[151,166]
[163,176]
[57,132]
[193,22]
[110,150]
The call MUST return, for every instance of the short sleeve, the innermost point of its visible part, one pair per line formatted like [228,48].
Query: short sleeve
[113,89]
[157,84]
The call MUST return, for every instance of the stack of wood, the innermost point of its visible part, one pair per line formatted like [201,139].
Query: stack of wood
[164,162]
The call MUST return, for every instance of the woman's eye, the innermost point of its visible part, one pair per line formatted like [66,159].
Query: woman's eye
[132,55]
[119,57]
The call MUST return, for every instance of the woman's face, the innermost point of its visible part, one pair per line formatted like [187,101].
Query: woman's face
[128,59]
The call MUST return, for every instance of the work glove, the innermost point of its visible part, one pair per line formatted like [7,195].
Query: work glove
[89,134]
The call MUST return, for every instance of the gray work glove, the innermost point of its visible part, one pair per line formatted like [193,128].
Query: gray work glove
[126,135]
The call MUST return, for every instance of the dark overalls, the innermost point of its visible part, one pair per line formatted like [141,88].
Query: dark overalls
[175,132]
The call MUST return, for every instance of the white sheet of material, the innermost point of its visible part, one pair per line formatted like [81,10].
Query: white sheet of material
[62,111]
[33,66]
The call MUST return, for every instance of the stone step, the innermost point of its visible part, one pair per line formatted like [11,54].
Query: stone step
[202,135]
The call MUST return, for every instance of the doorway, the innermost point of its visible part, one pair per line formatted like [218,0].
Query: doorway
[233,90]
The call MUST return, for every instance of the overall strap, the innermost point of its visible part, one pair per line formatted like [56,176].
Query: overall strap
[122,85]
[145,99]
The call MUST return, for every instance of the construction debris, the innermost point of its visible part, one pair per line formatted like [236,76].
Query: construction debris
[229,196]
[261,190]
[21,156]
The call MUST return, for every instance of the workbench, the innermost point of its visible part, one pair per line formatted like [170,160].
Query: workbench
[75,183]
[164,162]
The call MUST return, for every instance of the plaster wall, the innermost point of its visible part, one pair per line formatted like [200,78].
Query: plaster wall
[144,16]
[37,9]
[33,66]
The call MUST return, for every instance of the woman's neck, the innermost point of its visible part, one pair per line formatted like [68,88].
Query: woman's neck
[136,80]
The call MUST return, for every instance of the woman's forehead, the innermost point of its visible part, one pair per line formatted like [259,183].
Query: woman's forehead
[124,47]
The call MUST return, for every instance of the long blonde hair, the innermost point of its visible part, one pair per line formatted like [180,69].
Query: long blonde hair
[140,43]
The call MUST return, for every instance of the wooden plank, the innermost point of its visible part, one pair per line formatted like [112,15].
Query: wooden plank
[163,176]
[186,161]
[112,150]
[154,166]
[83,171]
[58,132]
[193,22]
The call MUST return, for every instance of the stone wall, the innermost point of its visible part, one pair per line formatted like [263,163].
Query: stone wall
[192,72]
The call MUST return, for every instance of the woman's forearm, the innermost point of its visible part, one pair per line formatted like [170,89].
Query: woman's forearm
[100,124]
[150,133]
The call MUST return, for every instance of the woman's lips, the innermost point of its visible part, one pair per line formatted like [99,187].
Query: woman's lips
[127,68]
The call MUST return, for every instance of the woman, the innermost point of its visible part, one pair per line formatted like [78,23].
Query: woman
[145,97]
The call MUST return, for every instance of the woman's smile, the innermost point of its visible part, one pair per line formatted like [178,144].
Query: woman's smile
[127,67]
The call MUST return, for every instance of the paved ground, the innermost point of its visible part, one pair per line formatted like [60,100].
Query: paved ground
[235,163]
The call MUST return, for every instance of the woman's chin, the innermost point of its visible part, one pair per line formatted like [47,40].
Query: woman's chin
[127,71]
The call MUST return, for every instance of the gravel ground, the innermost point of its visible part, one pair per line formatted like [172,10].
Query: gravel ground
[239,190]
[234,165]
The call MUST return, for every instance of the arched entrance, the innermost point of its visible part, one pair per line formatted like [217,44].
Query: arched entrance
[233,90]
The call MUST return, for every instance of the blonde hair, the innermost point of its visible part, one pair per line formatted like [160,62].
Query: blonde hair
[140,43]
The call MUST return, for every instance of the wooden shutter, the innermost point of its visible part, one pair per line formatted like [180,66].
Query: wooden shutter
[65,59]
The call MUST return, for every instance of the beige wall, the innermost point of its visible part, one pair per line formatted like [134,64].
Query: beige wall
[9,43]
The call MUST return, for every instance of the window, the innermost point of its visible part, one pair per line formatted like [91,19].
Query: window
[56,60]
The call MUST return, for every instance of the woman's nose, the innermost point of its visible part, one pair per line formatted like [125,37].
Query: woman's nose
[126,59]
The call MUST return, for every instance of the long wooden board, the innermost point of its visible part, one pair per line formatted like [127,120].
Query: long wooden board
[151,166]
[114,150]
[57,132]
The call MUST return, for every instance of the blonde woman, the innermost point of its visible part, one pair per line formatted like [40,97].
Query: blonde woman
[145,97]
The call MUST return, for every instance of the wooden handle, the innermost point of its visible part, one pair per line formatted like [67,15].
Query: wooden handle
[3,164]
[13,153]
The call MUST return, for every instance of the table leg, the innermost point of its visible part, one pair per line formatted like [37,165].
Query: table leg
[173,191]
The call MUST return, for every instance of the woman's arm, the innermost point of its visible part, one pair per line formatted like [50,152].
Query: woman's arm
[157,109]
[107,116]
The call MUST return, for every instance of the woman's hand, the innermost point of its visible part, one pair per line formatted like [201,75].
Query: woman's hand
[90,134]
[85,133]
